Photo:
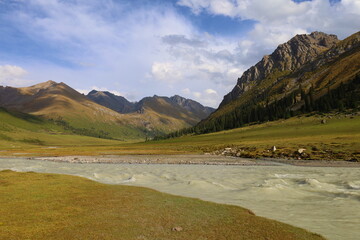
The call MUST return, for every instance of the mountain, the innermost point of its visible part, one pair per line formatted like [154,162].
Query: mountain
[287,57]
[315,72]
[20,130]
[77,113]
[112,101]
[192,106]
[176,106]
[66,106]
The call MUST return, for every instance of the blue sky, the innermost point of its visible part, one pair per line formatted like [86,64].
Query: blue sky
[138,48]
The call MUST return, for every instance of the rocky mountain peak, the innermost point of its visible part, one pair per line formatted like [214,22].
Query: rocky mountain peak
[112,101]
[44,85]
[289,56]
[100,93]
[92,92]
[178,100]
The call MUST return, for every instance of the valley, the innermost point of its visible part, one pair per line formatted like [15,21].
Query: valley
[337,139]
[285,143]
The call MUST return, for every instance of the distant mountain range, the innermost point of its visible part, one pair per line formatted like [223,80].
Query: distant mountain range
[315,72]
[102,113]
[175,106]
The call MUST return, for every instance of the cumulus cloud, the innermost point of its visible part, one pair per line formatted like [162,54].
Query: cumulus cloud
[199,60]
[278,20]
[154,46]
[166,71]
[208,97]
[153,49]
[11,75]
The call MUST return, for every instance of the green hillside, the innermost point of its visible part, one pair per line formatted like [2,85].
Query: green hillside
[21,130]
[337,139]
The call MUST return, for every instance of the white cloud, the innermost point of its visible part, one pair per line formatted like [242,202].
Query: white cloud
[186,91]
[11,75]
[155,50]
[166,71]
[197,95]
[278,20]
[199,60]
[208,97]
[210,91]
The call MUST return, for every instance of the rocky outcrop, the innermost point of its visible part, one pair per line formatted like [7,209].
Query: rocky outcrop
[289,56]
[112,101]
[192,106]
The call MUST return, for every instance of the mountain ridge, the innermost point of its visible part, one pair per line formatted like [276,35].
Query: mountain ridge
[64,105]
[288,56]
[159,104]
[327,79]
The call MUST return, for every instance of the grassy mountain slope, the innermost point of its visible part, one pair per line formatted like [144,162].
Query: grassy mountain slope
[74,111]
[66,106]
[23,131]
[164,106]
[285,92]
[161,114]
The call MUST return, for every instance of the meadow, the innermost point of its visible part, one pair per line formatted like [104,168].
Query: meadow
[337,138]
[51,206]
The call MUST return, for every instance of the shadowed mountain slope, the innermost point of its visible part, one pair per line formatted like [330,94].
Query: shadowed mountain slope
[112,101]
[315,72]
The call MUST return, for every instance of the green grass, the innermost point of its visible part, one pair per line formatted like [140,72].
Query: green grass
[19,130]
[50,206]
[338,139]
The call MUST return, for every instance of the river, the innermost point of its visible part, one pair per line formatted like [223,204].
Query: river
[324,200]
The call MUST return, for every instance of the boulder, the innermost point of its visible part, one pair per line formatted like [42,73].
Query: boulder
[177,229]
[301,150]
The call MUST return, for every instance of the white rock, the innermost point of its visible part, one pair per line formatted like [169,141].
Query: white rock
[301,150]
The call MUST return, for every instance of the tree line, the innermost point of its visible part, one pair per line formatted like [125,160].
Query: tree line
[345,96]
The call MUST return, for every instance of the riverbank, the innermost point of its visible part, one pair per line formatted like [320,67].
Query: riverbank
[201,159]
[57,206]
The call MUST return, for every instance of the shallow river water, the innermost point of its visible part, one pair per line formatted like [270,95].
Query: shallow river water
[323,200]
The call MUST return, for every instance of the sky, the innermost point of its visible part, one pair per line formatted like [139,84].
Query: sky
[137,48]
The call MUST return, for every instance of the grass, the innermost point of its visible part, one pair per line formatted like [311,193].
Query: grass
[51,206]
[338,139]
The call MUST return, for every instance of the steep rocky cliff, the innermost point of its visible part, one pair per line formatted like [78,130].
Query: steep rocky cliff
[315,72]
[289,56]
